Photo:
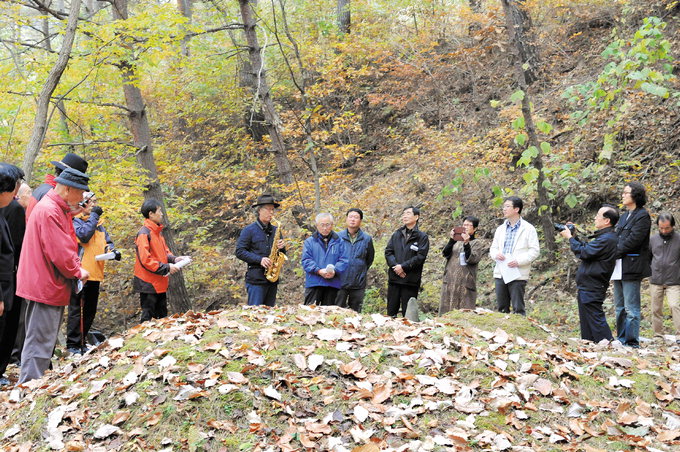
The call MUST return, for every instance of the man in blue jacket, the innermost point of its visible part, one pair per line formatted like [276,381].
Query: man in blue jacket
[598,258]
[254,246]
[324,260]
[360,254]
[405,255]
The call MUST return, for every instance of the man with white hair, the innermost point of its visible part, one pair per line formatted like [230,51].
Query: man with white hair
[323,259]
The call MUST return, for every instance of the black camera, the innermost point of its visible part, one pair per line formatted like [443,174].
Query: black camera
[559,227]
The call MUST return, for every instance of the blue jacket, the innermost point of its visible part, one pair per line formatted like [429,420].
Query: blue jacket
[315,257]
[253,244]
[360,256]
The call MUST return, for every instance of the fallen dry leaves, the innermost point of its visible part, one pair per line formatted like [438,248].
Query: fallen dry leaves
[296,378]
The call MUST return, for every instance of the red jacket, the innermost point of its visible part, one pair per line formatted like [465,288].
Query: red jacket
[49,257]
[40,191]
[153,259]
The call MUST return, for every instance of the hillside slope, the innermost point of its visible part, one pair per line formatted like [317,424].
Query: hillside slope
[301,378]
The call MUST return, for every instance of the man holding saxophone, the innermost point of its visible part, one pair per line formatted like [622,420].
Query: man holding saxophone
[257,247]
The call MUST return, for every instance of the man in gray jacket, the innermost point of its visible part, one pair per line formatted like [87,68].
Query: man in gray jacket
[665,279]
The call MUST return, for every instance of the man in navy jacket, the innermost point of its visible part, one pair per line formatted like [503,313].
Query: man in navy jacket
[598,258]
[405,255]
[324,260]
[360,254]
[254,246]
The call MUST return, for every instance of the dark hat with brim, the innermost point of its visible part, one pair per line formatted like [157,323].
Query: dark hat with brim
[71,160]
[265,199]
[73,178]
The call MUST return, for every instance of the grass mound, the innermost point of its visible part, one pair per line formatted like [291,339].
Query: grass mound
[296,378]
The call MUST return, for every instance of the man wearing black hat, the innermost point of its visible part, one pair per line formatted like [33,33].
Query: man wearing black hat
[48,268]
[70,160]
[254,246]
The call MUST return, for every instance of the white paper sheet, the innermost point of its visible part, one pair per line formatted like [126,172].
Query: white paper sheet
[508,274]
[616,276]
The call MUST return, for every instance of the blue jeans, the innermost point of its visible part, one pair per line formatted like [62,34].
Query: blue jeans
[261,294]
[627,304]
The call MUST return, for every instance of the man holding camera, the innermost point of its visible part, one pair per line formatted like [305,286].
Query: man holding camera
[598,258]
[93,239]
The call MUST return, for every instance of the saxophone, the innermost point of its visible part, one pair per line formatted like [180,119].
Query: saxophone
[277,257]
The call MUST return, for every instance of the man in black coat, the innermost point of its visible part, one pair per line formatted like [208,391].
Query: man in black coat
[10,178]
[405,255]
[633,249]
[598,258]
[254,247]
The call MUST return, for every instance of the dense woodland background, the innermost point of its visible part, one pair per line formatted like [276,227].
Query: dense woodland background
[379,104]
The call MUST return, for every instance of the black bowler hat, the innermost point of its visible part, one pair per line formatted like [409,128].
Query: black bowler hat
[71,160]
[73,178]
[265,199]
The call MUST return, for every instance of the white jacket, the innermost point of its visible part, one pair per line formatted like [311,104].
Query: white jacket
[524,251]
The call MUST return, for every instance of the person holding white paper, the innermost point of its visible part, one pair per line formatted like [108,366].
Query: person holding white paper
[463,252]
[515,245]
[598,258]
[633,229]
[93,239]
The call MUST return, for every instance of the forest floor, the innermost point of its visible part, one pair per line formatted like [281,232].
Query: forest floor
[310,378]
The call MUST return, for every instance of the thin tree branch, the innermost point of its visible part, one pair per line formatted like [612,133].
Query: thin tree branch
[70,99]
[91,142]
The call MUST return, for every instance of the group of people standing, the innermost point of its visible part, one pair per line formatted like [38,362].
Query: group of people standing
[53,249]
[336,263]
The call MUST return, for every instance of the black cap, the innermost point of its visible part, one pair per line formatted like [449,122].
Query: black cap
[71,160]
[265,199]
[73,178]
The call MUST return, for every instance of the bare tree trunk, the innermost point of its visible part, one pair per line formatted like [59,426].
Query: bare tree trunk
[61,106]
[141,135]
[186,9]
[40,126]
[344,16]
[263,93]
[527,54]
[521,74]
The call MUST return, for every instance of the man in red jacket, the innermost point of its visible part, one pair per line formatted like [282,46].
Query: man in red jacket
[48,268]
[70,160]
[153,264]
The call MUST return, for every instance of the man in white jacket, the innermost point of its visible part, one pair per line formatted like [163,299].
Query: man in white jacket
[515,246]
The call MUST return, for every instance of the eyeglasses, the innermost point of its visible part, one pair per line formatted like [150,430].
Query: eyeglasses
[325,225]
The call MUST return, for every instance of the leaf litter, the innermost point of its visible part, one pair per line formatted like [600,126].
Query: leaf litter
[324,378]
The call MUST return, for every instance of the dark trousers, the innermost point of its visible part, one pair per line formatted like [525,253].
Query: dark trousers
[21,331]
[9,324]
[509,294]
[321,295]
[594,326]
[262,294]
[154,305]
[351,298]
[398,296]
[89,297]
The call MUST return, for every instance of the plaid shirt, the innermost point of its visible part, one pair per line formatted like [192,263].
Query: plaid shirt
[510,234]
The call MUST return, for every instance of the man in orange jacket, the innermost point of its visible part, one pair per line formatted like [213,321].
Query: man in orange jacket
[93,240]
[153,263]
